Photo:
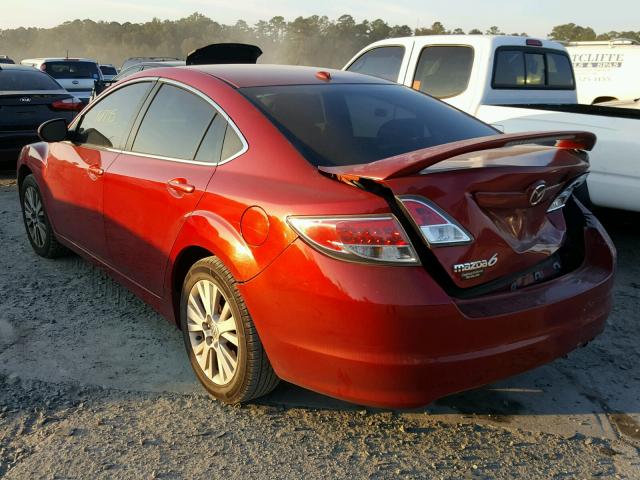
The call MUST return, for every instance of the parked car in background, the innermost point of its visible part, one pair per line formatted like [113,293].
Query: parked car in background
[28,98]
[335,230]
[215,53]
[76,75]
[135,60]
[127,72]
[108,71]
[5,59]
[517,84]
[606,70]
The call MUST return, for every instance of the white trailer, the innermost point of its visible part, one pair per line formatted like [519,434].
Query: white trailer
[606,70]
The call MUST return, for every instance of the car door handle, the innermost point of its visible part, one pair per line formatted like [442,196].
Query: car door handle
[96,170]
[180,185]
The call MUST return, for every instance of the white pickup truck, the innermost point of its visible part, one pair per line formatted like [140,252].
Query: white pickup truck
[516,84]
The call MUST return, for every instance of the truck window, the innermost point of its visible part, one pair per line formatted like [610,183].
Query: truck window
[443,71]
[532,68]
[382,62]
[559,74]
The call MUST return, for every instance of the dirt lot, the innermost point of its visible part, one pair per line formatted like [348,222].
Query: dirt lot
[93,384]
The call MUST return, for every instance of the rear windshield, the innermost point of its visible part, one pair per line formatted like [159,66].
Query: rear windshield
[72,69]
[532,68]
[349,124]
[108,70]
[23,80]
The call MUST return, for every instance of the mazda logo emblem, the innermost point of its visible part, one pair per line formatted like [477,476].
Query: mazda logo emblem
[537,193]
[24,99]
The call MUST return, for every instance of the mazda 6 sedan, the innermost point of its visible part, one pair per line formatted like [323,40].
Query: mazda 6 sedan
[334,230]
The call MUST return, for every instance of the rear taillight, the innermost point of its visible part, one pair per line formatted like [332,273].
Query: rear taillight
[436,227]
[72,104]
[43,67]
[367,238]
[561,200]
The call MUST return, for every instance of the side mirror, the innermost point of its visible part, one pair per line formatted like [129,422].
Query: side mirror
[53,130]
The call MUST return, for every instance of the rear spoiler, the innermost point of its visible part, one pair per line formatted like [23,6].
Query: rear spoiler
[217,53]
[414,162]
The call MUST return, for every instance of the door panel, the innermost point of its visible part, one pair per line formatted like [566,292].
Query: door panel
[76,188]
[146,203]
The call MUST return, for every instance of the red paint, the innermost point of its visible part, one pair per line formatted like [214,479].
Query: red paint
[373,334]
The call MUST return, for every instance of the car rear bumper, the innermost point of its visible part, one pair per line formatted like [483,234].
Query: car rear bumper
[391,337]
[12,142]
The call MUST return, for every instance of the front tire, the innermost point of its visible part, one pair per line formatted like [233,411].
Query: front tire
[219,335]
[36,221]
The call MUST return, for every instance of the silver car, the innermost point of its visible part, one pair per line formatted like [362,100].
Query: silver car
[76,75]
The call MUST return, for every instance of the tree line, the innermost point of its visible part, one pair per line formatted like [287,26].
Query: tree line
[313,40]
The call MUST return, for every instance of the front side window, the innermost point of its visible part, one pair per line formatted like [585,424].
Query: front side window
[348,124]
[381,62]
[532,68]
[443,71]
[174,124]
[109,121]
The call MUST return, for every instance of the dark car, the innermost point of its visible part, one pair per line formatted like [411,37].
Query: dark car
[29,97]
[5,59]
[335,230]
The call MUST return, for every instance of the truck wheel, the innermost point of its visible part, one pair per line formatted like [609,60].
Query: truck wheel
[221,340]
[36,221]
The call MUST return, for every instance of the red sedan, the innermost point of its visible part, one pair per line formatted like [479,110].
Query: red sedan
[337,231]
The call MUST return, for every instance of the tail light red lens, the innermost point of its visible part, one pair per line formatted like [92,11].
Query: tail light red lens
[368,239]
[436,227]
[72,104]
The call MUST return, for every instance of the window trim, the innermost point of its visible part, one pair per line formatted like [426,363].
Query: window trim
[219,111]
[524,50]
[142,109]
[404,53]
[466,87]
[77,121]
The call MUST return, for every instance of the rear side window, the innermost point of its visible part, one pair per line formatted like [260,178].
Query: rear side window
[443,71]
[174,124]
[109,121]
[532,68]
[211,147]
[72,69]
[382,62]
[349,124]
[21,80]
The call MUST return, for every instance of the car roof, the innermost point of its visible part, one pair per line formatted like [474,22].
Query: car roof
[262,75]
[17,66]
[60,59]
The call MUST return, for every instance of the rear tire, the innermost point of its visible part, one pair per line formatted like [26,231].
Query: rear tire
[36,221]
[221,340]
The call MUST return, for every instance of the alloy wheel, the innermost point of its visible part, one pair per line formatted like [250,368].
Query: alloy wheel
[34,217]
[213,332]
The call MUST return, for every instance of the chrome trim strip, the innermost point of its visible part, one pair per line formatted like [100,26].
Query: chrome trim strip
[218,108]
[245,144]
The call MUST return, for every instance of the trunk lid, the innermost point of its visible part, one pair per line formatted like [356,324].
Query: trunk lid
[27,110]
[498,189]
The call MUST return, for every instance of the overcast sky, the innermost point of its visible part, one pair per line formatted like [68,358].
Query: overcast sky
[535,17]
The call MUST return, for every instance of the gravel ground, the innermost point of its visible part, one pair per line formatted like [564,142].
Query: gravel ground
[94,384]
